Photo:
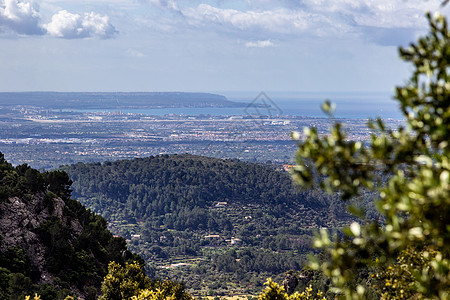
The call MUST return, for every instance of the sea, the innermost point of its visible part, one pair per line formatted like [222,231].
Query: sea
[355,105]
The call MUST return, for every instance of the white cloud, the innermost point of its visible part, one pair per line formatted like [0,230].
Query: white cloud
[279,20]
[243,19]
[379,13]
[135,53]
[74,26]
[259,44]
[169,4]
[20,17]
[386,22]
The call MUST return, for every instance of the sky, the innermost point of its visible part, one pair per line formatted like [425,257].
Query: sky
[208,46]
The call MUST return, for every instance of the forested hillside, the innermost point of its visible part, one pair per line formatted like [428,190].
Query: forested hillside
[202,220]
[51,244]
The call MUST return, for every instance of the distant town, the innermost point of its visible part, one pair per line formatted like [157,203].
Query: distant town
[46,138]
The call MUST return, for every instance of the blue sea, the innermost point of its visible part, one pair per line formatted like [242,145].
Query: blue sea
[347,105]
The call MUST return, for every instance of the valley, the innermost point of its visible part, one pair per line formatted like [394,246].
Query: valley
[220,226]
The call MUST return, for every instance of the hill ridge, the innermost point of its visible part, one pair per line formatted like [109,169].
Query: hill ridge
[207,221]
[115,100]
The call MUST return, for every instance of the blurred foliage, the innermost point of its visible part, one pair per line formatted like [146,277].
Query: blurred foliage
[414,199]
[397,280]
[130,282]
[274,291]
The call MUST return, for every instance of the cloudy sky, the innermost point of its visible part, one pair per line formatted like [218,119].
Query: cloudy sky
[222,45]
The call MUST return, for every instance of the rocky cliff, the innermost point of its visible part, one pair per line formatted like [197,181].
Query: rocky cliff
[49,243]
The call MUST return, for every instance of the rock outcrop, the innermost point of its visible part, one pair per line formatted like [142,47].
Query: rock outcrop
[51,244]
[20,219]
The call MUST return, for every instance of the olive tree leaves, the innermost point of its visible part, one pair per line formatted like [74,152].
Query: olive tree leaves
[408,167]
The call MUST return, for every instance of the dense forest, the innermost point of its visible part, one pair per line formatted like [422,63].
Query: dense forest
[51,244]
[202,220]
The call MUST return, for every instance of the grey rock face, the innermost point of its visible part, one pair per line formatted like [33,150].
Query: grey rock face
[19,220]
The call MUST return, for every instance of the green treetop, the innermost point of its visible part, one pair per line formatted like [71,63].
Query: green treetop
[409,168]
[130,282]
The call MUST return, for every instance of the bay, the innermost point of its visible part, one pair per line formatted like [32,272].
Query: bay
[355,105]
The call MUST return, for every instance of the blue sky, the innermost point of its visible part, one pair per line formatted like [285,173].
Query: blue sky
[210,46]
